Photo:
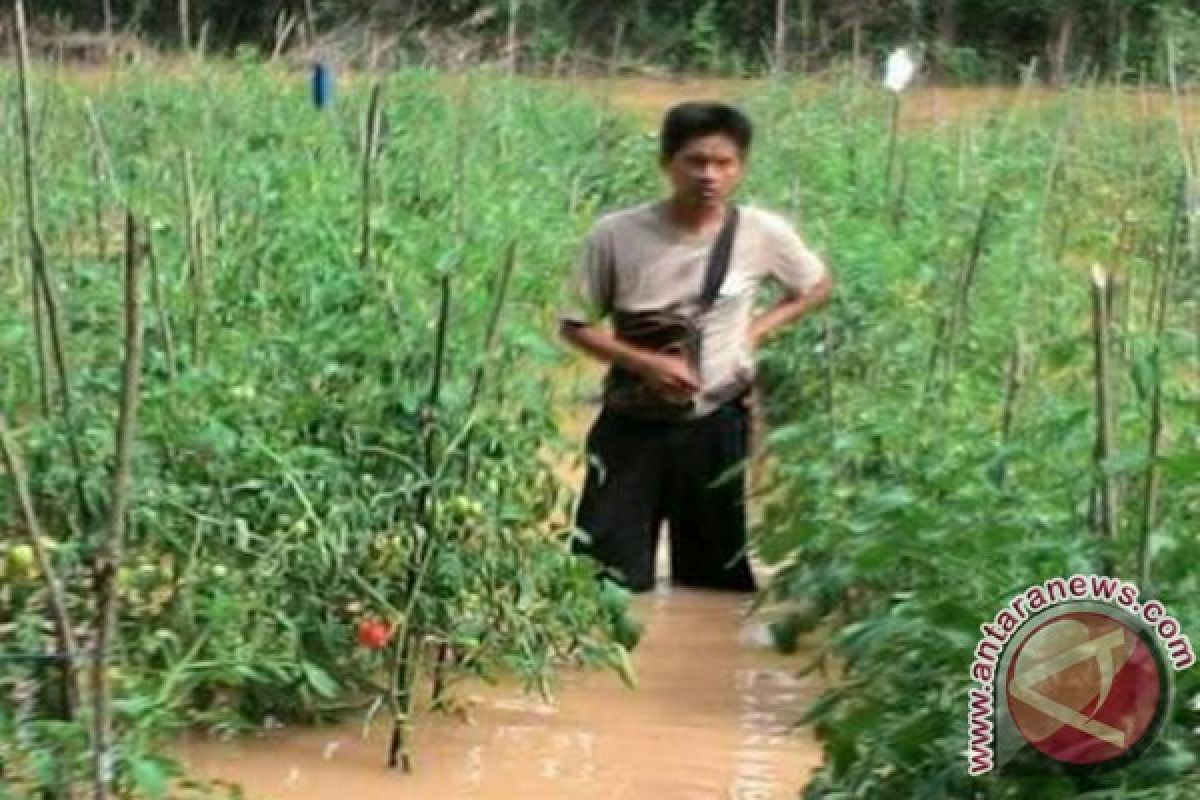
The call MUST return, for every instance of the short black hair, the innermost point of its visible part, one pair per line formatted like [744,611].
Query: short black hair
[692,120]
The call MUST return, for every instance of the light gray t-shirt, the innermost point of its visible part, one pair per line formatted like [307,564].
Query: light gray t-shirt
[637,260]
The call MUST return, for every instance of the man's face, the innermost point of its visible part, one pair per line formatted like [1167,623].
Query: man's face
[706,170]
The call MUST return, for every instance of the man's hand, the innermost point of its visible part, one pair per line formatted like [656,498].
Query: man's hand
[790,309]
[669,375]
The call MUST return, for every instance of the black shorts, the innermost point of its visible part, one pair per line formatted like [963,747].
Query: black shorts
[641,473]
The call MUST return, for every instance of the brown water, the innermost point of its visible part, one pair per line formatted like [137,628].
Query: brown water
[711,718]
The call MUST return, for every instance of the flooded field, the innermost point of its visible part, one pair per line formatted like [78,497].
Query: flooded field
[712,718]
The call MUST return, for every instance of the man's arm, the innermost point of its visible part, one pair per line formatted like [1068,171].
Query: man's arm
[590,291]
[668,374]
[791,308]
[805,278]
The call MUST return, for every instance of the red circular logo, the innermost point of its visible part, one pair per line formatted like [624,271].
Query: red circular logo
[1085,688]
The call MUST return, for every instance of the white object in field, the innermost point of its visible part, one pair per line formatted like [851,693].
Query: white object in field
[900,70]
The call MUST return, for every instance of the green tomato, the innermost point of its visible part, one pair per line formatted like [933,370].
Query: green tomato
[20,558]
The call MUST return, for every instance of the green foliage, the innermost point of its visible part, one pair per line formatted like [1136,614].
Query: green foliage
[284,489]
[901,519]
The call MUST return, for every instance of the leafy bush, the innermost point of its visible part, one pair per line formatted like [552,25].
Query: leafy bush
[902,515]
[294,475]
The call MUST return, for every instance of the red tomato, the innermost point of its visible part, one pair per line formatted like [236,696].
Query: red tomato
[374,634]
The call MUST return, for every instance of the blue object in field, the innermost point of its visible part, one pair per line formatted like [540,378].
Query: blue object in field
[322,85]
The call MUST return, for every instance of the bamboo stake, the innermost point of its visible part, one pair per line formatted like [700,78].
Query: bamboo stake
[112,546]
[54,324]
[514,8]
[940,325]
[1153,483]
[310,24]
[283,31]
[1126,308]
[830,372]
[195,259]
[31,205]
[14,243]
[1105,436]
[961,313]
[493,324]
[398,752]
[1185,147]
[185,34]
[1119,290]
[100,143]
[805,34]
[893,135]
[779,65]
[614,62]
[901,197]
[98,209]
[202,42]
[370,135]
[160,306]
[44,295]
[1014,381]
[489,339]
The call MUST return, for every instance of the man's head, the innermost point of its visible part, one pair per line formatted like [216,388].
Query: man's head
[704,151]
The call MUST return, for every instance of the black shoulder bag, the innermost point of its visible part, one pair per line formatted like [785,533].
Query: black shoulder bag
[667,332]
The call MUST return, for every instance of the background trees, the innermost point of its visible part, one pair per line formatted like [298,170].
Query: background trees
[967,40]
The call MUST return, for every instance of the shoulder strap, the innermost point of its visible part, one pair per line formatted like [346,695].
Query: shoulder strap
[718,259]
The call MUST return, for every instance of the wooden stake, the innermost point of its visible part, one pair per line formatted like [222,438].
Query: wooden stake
[185,33]
[1014,380]
[1153,484]
[160,305]
[112,546]
[31,205]
[195,257]
[370,135]
[1105,436]
[960,316]
[779,65]
[514,8]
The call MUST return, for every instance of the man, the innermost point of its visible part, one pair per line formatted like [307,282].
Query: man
[656,255]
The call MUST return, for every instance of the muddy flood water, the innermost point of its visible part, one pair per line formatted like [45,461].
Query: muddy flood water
[712,719]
